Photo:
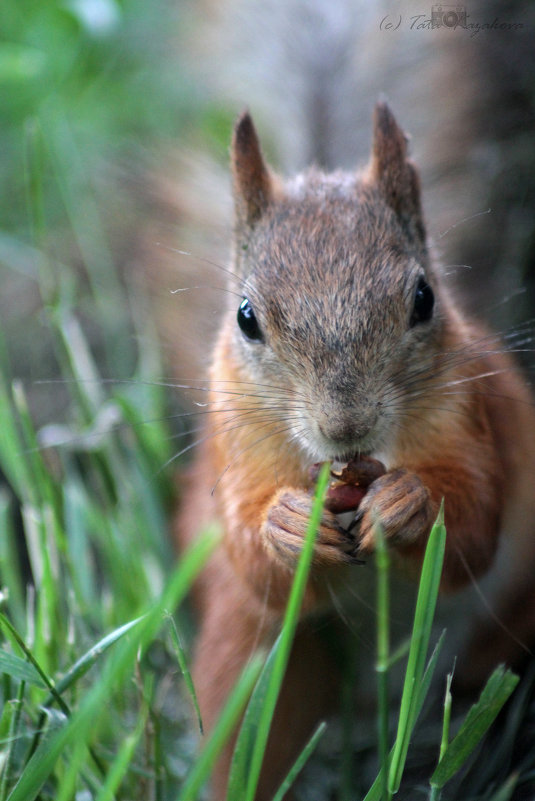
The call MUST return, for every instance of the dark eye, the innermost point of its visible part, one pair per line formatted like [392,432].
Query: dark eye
[424,300]
[248,322]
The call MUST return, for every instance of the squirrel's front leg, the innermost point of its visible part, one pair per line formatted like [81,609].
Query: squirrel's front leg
[285,526]
[406,501]
[401,503]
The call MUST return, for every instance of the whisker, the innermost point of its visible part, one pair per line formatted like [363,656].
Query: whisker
[496,618]
[172,384]
[464,220]
[204,286]
[454,268]
[246,290]
[203,259]
[254,444]
[499,395]
[348,622]
[231,425]
[507,299]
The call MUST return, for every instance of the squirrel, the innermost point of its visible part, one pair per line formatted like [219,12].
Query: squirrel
[342,341]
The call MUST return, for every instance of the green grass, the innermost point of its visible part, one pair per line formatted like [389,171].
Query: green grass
[77,650]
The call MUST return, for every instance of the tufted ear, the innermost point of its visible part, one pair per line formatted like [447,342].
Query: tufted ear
[394,174]
[253,186]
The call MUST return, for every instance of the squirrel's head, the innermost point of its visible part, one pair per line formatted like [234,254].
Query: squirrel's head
[341,308]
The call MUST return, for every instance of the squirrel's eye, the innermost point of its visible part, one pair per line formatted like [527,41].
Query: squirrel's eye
[424,300]
[248,322]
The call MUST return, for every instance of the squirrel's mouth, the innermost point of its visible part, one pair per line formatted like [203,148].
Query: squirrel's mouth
[339,454]
[338,444]
[321,449]
[341,459]
[351,449]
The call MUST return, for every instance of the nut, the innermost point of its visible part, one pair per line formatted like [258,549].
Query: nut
[349,482]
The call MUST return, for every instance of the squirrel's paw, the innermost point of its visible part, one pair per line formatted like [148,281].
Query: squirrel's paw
[285,527]
[401,503]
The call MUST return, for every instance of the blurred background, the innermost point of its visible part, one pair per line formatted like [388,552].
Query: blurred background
[94,95]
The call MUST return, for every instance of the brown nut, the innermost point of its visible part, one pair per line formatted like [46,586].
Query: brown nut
[361,472]
[343,497]
[349,483]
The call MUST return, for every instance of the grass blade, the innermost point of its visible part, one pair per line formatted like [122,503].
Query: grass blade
[222,731]
[300,762]
[481,715]
[423,619]
[182,661]
[505,792]
[79,728]
[82,665]
[16,710]
[447,717]
[12,582]
[20,669]
[244,747]
[35,772]
[287,635]
[5,623]
[374,793]
[120,764]
[383,659]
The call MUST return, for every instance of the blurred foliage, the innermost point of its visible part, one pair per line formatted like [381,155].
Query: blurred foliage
[89,90]
[92,93]
[107,71]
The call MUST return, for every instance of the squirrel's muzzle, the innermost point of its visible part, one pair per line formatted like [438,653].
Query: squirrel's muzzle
[349,428]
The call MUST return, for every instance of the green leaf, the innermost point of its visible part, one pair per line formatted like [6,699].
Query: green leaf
[428,675]
[20,63]
[221,732]
[481,715]
[423,619]
[82,665]
[375,791]
[282,653]
[14,465]
[120,764]
[35,772]
[505,792]
[300,762]
[14,710]
[118,667]
[12,581]
[19,669]
[13,633]
[183,663]
[243,750]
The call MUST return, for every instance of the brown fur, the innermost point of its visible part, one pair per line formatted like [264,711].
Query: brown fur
[330,263]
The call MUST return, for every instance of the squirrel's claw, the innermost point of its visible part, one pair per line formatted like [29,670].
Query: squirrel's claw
[285,527]
[401,503]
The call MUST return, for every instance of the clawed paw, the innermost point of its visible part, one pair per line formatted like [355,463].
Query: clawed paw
[286,524]
[401,504]
[398,501]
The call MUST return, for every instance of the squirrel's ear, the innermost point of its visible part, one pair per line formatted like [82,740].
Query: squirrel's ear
[253,189]
[391,170]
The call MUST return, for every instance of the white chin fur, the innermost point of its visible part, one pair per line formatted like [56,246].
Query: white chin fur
[320,449]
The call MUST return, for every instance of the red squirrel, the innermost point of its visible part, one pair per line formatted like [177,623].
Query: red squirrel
[341,341]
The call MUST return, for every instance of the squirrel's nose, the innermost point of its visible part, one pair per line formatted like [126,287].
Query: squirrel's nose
[339,432]
[346,429]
